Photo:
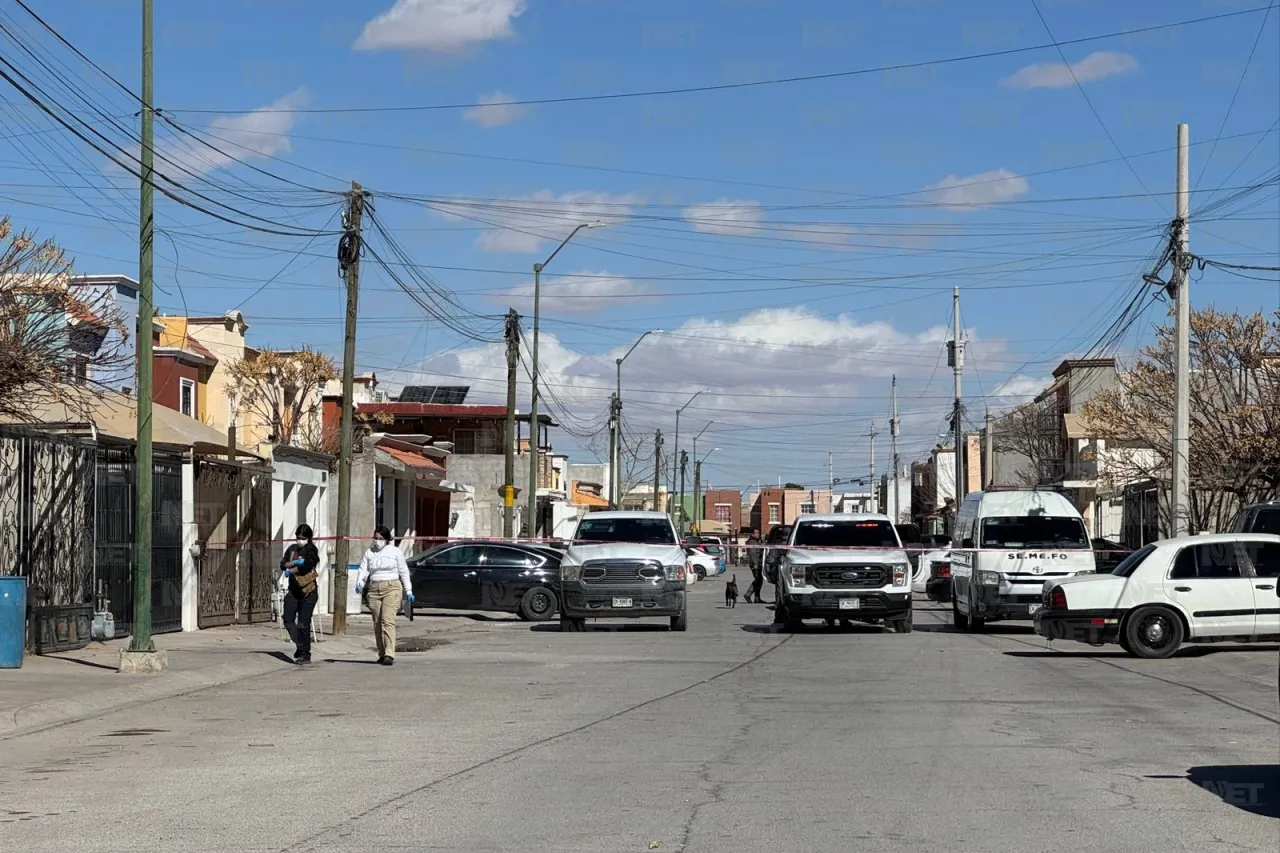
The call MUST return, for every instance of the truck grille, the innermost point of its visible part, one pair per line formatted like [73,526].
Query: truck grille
[620,571]
[833,577]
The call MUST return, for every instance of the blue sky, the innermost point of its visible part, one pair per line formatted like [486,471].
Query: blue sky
[781,235]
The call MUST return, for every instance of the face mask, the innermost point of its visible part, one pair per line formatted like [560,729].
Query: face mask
[300,542]
[377,544]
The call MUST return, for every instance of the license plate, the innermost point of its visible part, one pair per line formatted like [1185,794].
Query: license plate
[850,603]
[1033,608]
[622,602]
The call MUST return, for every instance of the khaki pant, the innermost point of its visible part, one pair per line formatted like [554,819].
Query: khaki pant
[384,602]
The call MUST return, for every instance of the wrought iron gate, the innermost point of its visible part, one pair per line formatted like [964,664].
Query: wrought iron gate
[117,500]
[46,515]
[235,567]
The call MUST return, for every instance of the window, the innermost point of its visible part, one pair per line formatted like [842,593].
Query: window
[1033,531]
[651,531]
[806,509]
[1213,560]
[1265,520]
[775,514]
[508,558]
[187,398]
[1265,557]
[1130,564]
[460,555]
[724,513]
[847,534]
[485,440]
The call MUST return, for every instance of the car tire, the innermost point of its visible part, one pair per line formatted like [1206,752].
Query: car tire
[1153,632]
[538,604]
[569,625]
[902,625]
[700,572]
[680,622]
[958,619]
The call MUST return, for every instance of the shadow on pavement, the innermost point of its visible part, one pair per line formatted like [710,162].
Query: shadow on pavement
[815,628]
[287,658]
[1255,788]
[93,664]
[609,628]
[474,617]
[937,629]
[1185,652]
[1049,653]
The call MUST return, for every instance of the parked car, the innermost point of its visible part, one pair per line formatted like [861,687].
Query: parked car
[1192,589]
[500,577]
[707,552]
[1108,554]
[847,566]
[1259,518]
[703,565]
[624,564]
[773,550]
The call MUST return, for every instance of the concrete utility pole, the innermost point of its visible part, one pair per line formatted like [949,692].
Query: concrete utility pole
[684,466]
[349,248]
[893,438]
[657,466]
[955,359]
[512,335]
[613,451]
[532,523]
[988,452]
[675,456]
[1180,497]
[141,654]
[615,458]
[871,480]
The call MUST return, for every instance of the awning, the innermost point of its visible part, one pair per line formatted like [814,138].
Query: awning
[415,463]
[1075,425]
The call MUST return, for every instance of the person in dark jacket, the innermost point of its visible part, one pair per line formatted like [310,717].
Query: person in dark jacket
[300,564]
[754,560]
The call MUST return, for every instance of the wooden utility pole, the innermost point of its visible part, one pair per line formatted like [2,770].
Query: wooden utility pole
[893,438]
[349,248]
[657,467]
[684,467]
[956,362]
[140,637]
[871,480]
[989,453]
[512,334]
[613,451]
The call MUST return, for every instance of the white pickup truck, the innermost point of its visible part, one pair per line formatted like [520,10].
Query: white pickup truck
[850,567]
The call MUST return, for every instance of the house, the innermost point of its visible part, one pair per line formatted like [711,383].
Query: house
[182,368]
[775,506]
[723,506]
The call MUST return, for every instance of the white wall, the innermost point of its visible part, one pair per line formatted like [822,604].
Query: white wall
[300,495]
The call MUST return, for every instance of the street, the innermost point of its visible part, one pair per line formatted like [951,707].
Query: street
[731,737]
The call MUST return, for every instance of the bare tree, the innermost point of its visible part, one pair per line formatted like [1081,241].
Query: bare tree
[1033,431]
[282,390]
[1234,414]
[637,458]
[55,338]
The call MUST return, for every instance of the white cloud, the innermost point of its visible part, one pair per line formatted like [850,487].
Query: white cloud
[263,132]
[730,217]
[976,191]
[441,26]
[1059,75]
[526,224]
[1019,389]
[581,293]
[496,110]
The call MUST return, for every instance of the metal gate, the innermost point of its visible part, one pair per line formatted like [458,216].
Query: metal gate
[46,512]
[234,567]
[117,501]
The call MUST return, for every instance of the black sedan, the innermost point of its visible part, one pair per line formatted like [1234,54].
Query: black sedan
[501,577]
[1109,554]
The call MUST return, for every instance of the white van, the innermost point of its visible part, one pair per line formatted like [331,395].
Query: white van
[1007,544]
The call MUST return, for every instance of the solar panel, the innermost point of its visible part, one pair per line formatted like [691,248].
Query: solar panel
[446,394]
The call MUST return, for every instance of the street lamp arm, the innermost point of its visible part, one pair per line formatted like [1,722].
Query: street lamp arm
[566,240]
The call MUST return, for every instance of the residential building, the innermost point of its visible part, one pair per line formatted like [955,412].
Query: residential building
[775,506]
[181,368]
[640,497]
[117,295]
[723,506]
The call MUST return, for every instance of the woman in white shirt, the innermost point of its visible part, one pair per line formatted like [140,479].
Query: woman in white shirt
[385,573]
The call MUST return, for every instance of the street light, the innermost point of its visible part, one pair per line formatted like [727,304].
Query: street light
[675,462]
[615,454]
[533,378]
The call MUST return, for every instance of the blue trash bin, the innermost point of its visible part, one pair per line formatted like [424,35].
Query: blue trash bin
[13,621]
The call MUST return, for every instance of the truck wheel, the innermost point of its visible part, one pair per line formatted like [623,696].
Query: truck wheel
[680,622]
[569,625]
[958,619]
[1153,632]
[903,625]
[538,604]
[976,623]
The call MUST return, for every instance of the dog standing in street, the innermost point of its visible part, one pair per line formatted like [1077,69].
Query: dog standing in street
[731,592]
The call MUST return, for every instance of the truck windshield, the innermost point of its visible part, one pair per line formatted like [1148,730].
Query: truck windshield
[846,534]
[1034,531]
[648,531]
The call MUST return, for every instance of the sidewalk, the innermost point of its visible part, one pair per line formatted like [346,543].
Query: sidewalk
[51,690]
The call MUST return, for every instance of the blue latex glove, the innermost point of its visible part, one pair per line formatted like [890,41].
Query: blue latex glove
[410,597]
[299,562]
[288,573]
[359,589]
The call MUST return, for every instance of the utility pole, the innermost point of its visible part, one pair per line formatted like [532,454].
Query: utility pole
[1180,497]
[684,467]
[955,358]
[141,654]
[697,493]
[512,335]
[349,248]
[893,438]
[831,474]
[988,452]
[613,450]
[657,466]
[871,481]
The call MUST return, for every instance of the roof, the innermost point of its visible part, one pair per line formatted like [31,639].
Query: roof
[841,516]
[413,460]
[1071,364]
[630,513]
[80,313]
[1017,502]
[581,498]
[446,410]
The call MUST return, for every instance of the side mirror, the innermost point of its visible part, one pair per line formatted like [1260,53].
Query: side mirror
[967,543]
[688,552]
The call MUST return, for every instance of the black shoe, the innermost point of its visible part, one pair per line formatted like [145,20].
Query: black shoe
[382,659]
[302,660]
[386,661]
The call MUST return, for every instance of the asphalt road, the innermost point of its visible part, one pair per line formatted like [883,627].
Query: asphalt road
[727,738]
